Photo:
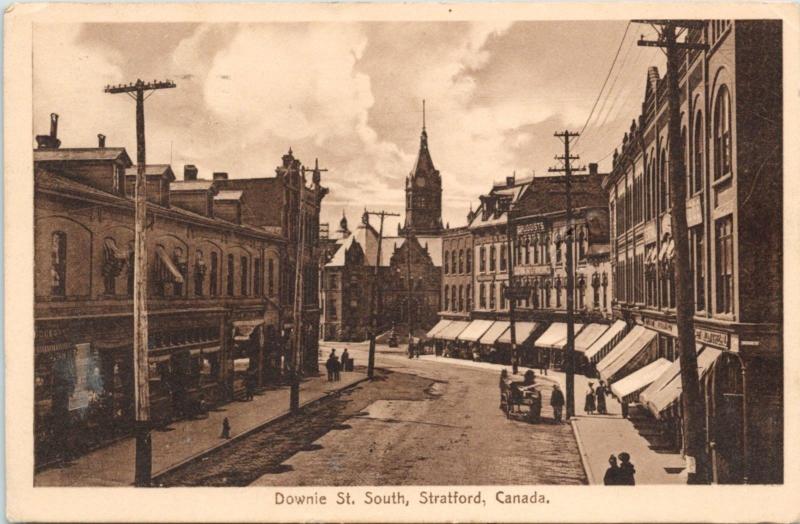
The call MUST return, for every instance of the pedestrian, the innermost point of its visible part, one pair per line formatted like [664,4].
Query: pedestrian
[545,363]
[503,385]
[226,428]
[336,370]
[588,405]
[611,477]
[250,385]
[557,402]
[601,393]
[626,470]
[345,360]
[329,365]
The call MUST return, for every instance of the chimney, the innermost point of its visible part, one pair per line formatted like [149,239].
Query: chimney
[101,141]
[510,181]
[593,169]
[219,175]
[189,172]
[53,126]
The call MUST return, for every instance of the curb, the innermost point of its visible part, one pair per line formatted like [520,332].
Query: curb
[582,450]
[258,427]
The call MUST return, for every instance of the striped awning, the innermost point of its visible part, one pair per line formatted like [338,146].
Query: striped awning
[443,323]
[628,356]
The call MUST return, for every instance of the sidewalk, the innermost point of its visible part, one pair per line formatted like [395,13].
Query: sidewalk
[114,465]
[600,436]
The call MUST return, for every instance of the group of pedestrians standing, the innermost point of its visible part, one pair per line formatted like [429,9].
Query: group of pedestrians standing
[620,474]
[596,399]
[335,365]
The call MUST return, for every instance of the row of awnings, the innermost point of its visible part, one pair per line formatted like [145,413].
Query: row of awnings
[635,371]
[489,332]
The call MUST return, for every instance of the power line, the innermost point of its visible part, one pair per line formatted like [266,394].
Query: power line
[608,75]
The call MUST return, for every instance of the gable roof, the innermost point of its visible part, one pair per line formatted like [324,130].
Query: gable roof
[152,170]
[84,154]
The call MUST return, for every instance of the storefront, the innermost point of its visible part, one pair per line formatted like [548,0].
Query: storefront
[549,347]
[523,331]
[471,335]
[449,336]
[633,352]
[247,355]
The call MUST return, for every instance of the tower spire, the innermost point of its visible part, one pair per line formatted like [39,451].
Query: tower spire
[423,114]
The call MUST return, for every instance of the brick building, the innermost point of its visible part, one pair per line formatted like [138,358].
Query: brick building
[215,285]
[731,107]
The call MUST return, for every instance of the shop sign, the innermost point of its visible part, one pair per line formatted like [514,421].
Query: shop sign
[694,211]
[661,325]
[714,338]
[650,233]
[531,228]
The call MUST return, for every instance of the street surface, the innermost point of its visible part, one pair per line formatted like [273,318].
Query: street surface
[419,422]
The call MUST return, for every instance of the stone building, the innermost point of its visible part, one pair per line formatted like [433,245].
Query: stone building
[216,281]
[731,108]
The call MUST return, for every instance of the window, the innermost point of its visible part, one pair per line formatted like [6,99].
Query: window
[697,168]
[502,296]
[468,295]
[446,297]
[229,283]
[558,291]
[724,259]
[453,303]
[212,279]
[257,277]
[270,277]
[491,296]
[199,273]
[547,292]
[243,275]
[503,258]
[546,250]
[469,260]
[527,251]
[581,291]
[58,264]
[664,183]
[581,245]
[482,261]
[446,262]
[492,258]
[536,250]
[722,134]
[558,250]
[482,296]
[696,264]
[461,298]
[535,294]
[460,260]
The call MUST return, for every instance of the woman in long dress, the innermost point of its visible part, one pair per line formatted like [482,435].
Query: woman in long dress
[588,406]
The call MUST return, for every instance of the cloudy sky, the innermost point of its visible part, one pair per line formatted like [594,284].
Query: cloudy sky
[351,95]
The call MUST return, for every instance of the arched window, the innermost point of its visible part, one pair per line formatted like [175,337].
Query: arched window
[257,277]
[697,168]
[558,249]
[446,262]
[243,275]
[58,264]
[229,280]
[663,182]
[722,134]
[212,279]
[446,297]
[581,245]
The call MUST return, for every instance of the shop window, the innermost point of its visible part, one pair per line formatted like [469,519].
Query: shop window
[229,279]
[722,134]
[58,264]
[212,278]
[724,265]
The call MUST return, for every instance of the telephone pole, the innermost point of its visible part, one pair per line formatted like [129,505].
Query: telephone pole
[569,353]
[373,295]
[141,370]
[693,416]
[409,308]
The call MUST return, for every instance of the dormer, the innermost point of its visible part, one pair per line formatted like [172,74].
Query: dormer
[228,205]
[158,178]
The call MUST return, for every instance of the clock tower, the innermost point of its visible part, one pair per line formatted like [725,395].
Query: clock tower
[423,192]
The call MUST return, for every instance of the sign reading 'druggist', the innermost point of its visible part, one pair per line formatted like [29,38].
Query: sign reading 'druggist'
[531,228]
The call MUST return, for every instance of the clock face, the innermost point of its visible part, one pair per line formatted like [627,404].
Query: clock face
[420,182]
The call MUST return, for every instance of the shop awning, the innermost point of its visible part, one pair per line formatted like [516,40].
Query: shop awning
[588,336]
[556,336]
[453,330]
[628,389]
[475,330]
[169,265]
[652,256]
[667,250]
[443,323]
[243,329]
[607,340]
[628,356]
[522,332]
[494,332]
[666,389]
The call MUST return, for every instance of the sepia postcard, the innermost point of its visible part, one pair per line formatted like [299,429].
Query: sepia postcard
[401,262]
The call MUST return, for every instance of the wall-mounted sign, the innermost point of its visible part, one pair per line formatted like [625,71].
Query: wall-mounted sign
[713,338]
[531,228]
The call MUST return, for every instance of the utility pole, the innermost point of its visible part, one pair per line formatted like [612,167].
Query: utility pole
[141,370]
[693,409]
[510,292]
[373,295]
[409,309]
[569,353]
